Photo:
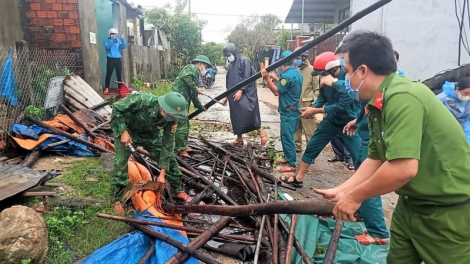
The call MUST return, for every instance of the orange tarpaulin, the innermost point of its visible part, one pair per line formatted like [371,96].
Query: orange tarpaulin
[149,200]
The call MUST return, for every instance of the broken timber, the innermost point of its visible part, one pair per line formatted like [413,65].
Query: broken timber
[303,207]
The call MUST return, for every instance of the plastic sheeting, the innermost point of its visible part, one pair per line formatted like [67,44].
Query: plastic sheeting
[37,138]
[131,247]
[314,233]
[7,81]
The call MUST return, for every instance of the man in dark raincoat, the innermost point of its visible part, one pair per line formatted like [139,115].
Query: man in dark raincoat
[244,106]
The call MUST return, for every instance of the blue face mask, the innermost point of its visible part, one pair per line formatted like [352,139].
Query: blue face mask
[298,63]
[353,93]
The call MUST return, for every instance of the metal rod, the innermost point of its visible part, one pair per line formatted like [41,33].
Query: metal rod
[333,245]
[290,240]
[276,229]
[148,253]
[76,121]
[67,135]
[292,56]
[184,248]
[260,237]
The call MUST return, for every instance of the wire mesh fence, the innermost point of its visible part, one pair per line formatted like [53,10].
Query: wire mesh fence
[27,82]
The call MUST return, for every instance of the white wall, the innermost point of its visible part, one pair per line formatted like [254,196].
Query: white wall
[424,32]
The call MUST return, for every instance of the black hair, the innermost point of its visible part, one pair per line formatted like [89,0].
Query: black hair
[373,50]
[397,55]
[463,83]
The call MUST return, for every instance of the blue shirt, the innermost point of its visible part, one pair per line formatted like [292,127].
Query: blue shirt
[338,105]
[289,88]
[114,47]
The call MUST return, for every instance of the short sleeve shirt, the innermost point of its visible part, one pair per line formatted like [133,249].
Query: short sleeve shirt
[407,121]
[289,88]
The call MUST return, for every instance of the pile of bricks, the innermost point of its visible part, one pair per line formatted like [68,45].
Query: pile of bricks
[53,24]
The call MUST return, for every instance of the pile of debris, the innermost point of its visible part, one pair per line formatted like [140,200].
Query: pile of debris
[236,183]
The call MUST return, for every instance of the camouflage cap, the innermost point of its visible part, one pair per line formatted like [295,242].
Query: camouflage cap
[174,104]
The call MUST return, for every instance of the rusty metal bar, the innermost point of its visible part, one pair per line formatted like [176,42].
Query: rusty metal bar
[76,121]
[333,245]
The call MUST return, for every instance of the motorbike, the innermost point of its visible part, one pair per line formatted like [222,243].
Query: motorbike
[209,78]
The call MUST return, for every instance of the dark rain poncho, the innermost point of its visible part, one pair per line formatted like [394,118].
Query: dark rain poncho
[244,114]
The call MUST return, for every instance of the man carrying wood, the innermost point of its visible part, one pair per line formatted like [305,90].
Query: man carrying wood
[417,149]
[187,84]
[148,121]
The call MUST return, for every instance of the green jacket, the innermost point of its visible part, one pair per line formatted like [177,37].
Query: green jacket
[138,115]
[187,84]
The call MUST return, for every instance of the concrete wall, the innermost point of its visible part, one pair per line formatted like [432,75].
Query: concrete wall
[90,51]
[424,32]
[11,29]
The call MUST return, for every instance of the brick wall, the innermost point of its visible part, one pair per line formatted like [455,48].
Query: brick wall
[54,24]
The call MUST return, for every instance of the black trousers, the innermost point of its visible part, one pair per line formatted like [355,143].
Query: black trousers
[113,64]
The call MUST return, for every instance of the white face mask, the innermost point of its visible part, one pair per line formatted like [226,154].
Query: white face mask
[231,58]
[463,98]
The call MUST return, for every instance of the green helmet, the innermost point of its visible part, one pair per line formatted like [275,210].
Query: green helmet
[174,104]
[203,59]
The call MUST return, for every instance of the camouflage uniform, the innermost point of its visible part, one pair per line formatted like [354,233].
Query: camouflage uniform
[138,114]
[186,84]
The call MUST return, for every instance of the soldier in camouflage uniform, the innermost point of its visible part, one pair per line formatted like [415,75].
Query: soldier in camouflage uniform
[187,84]
[148,121]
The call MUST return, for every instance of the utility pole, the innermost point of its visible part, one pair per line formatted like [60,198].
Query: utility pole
[302,25]
[189,7]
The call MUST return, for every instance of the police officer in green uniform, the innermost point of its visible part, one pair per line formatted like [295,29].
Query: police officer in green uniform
[288,89]
[148,121]
[187,84]
[418,150]
[339,108]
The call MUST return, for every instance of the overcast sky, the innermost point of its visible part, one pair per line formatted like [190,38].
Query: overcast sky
[223,14]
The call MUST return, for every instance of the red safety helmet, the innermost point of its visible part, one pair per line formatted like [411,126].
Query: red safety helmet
[324,62]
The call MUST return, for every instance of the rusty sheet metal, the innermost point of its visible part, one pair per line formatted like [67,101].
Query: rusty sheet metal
[79,95]
[15,179]
[436,82]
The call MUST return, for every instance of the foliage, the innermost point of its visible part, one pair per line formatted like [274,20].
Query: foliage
[283,38]
[186,34]
[214,52]
[252,35]
[25,261]
[42,76]
[35,112]
[74,234]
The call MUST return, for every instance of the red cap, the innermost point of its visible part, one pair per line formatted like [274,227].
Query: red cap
[323,60]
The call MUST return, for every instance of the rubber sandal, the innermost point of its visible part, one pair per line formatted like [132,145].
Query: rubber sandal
[362,238]
[118,209]
[184,154]
[189,149]
[335,159]
[106,91]
[264,140]
[281,161]
[295,183]
[237,143]
[351,166]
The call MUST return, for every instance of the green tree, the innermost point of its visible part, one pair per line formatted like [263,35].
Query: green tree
[214,52]
[252,35]
[283,38]
[185,38]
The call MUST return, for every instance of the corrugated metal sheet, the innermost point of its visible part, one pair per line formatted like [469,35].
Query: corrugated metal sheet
[436,82]
[79,95]
[15,179]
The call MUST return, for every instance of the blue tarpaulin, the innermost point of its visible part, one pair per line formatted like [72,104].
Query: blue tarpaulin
[70,148]
[129,248]
[7,81]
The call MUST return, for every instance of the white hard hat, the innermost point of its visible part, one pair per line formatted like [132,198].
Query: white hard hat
[112,31]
